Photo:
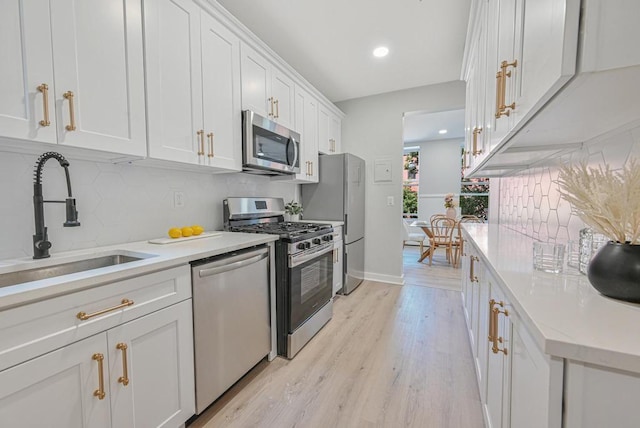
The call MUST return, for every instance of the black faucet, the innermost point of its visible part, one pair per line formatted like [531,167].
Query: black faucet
[41,242]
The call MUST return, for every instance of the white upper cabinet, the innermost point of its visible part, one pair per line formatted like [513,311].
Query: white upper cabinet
[306,115]
[75,74]
[265,89]
[221,95]
[26,74]
[329,131]
[193,87]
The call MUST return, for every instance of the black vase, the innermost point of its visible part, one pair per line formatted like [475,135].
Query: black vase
[615,271]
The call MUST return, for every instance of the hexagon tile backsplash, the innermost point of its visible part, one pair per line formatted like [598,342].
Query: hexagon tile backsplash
[531,204]
[117,203]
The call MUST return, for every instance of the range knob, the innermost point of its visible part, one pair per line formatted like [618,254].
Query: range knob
[307,245]
[301,246]
[327,238]
[317,241]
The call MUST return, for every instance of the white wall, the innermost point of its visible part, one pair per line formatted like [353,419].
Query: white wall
[116,203]
[439,175]
[372,130]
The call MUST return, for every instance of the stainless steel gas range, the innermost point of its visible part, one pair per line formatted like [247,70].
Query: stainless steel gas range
[304,267]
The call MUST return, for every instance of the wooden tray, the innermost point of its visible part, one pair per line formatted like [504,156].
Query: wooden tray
[184,239]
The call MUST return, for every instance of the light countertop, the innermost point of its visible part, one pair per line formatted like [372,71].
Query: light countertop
[566,316]
[160,257]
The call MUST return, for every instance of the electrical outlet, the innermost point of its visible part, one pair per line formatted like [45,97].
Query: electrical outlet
[390,201]
[178,199]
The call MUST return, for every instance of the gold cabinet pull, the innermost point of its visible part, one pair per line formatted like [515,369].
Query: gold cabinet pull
[271,101]
[44,88]
[210,138]
[72,114]
[472,275]
[476,131]
[100,391]
[502,109]
[498,95]
[494,312]
[200,136]
[307,162]
[277,103]
[124,379]
[83,316]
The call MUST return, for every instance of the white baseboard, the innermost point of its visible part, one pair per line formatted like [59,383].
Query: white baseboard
[391,279]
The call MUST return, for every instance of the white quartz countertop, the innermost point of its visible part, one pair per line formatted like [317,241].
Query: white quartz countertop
[567,316]
[158,257]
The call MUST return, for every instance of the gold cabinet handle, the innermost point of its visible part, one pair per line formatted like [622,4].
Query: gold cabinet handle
[307,162]
[494,312]
[502,109]
[124,379]
[200,136]
[472,275]
[499,95]
[271,101]
[44,88]
[72,115]
[465,164]
[100,391]
[277,103]
[83,316]
[210,138]
[476,131]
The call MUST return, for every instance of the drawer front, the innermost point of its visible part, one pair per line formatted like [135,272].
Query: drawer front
[34,329]
[337,233]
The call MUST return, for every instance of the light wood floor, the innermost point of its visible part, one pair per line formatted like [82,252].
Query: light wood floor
[392,356]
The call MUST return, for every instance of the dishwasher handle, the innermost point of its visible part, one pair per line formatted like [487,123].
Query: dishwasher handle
[233,262]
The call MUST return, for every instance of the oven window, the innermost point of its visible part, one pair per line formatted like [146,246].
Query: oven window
[310,284]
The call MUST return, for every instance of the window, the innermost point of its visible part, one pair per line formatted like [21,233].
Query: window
[410,182]
[474,195]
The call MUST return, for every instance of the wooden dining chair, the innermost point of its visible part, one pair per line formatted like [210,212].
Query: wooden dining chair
[458,242]
[435,216]
[442,229]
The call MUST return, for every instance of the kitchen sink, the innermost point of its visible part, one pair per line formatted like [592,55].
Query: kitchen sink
[44,272]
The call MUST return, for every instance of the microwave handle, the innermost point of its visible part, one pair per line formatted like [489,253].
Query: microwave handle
[295,151]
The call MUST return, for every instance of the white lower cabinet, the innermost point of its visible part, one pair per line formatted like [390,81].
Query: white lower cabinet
[519,385]
[118,355]
[338,260]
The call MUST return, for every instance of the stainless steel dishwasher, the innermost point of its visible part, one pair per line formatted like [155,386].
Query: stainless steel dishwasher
[231,319]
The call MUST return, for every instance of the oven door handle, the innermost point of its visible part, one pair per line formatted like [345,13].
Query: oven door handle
[235,262]
[298,260]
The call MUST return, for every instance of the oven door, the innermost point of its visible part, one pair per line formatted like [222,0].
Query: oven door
[269,146]
[310,282]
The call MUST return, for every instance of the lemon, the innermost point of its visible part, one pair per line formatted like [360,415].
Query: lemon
[187,231]
[197,229]
[175,232]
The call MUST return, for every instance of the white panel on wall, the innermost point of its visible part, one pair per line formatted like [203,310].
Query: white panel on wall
[531,203]
[116,203]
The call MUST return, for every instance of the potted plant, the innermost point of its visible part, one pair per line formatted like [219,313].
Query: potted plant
[609,202]
[292,211]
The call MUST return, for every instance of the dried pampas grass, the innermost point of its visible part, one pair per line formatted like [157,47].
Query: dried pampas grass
[607,201]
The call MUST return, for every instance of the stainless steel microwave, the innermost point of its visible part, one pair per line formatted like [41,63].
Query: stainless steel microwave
[268,147]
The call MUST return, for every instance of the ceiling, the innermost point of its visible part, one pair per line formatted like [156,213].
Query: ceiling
[420,127]
[330,42]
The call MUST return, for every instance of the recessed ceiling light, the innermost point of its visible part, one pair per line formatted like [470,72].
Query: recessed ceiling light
[380,51]
[442,131]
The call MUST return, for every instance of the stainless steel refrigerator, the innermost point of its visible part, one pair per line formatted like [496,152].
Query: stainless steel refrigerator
[339,196]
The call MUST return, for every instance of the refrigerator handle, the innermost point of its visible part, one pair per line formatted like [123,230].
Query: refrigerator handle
[359,174]
[346,217]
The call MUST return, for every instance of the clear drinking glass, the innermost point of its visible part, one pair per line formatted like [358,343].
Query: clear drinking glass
[573,254]
[548,257]
[590,243]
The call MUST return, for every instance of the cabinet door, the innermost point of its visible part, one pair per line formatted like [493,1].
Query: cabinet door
[256,81]
[483,290]
[323,129]
[498,362]
[221,95]
[335,132]
[174,79]
[546,47]
[97,55]
[25,49]
[306,122]
[282,91]
[338,266]
[159,386]
[57,389]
